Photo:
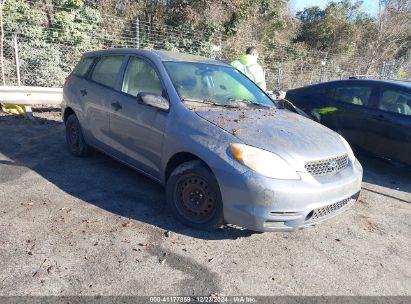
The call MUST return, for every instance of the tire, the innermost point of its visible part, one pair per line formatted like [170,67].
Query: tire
[75,139]
[194,197]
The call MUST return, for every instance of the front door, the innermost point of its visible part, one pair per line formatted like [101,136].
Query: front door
[136,129]
[352,113]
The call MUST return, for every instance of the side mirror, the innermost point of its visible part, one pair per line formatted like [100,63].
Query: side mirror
[153,100]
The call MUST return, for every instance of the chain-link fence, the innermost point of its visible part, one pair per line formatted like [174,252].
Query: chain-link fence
[8,61]
[47,58]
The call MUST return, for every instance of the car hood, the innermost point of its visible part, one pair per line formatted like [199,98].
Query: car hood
[293,137]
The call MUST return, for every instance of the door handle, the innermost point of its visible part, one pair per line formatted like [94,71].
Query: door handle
[83,92]
[116,105]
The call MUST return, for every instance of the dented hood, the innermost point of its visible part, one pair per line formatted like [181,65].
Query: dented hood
[291,136]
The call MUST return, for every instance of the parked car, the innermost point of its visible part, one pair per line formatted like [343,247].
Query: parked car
[212,137]
[373,115]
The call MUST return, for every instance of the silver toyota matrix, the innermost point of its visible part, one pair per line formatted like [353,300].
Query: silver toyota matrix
[223,150]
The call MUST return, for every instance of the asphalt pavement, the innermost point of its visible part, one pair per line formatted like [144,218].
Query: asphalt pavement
[92,226]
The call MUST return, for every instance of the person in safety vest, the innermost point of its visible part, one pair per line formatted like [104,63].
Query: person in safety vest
[247,64]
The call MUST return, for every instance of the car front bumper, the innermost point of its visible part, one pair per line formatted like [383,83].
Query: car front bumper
[259,203]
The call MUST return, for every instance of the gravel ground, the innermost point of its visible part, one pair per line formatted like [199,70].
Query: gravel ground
[92,226]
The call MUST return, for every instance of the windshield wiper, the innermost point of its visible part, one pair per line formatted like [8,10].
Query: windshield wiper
[210,102]
[248,101]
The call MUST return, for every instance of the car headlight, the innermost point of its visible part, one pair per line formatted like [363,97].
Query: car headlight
[263,162]
[351,155]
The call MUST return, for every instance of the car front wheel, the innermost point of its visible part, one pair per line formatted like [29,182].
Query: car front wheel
[194,197]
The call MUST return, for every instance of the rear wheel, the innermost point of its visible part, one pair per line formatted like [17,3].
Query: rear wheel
[194,197]
[75,139]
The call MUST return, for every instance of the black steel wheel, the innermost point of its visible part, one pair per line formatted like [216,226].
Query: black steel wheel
[194,196]
[74,137]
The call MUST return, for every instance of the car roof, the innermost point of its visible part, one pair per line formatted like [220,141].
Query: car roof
[401,83]
[157,54]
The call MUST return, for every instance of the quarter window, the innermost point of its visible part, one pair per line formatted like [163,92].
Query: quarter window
[357,95]
[107,70]
[396,102]
[141,77]
[83,66]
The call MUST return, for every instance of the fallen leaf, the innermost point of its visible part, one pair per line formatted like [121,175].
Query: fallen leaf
[235,131]
[148,245]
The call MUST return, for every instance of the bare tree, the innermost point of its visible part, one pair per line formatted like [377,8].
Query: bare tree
[393,33]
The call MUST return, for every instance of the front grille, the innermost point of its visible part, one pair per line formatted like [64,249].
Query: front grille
[326,210]
[327,166]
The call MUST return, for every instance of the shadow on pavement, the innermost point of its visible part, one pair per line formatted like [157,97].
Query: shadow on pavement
[40,146]
[386,174]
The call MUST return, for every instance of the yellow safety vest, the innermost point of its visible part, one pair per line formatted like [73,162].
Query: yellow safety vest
[247,64]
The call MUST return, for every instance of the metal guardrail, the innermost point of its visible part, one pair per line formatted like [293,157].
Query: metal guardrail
[26,95]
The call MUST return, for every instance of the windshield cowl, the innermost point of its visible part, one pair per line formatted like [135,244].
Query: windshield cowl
[240,104]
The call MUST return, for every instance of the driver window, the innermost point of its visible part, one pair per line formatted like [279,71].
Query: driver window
[141,77]
[357,95]
[396,102]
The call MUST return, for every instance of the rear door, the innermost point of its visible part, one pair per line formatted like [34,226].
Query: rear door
[392,123]
[73,93]
[98,93]
[136,129]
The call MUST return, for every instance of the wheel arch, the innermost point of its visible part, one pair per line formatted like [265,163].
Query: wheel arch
[180,158]
[67,112]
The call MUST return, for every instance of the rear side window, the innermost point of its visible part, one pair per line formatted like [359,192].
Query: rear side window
[358,95]
[107,70]
[396,102]
[141,77]
[83,66]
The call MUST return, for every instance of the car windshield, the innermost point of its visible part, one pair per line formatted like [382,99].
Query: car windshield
[216,85]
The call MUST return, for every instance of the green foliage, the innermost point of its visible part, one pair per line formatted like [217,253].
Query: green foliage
[69,3]
[331,29]
[54,33]
[41,64]
[21,18]
[75,25]
[43,46]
